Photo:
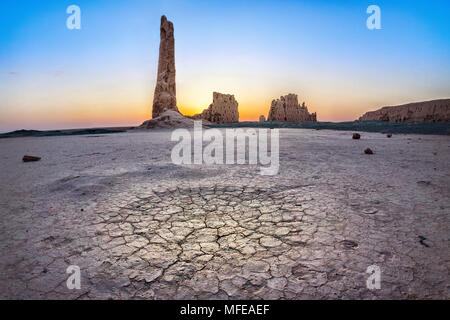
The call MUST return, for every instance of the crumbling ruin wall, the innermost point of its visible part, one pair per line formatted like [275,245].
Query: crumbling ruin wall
[224,109]
[287,109]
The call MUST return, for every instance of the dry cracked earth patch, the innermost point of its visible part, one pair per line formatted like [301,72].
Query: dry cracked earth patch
[222,242]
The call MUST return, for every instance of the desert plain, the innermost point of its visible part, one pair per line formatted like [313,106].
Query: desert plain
[141,227]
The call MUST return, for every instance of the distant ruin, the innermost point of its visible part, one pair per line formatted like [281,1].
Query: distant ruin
[287,109]
[224,109]
[427,111]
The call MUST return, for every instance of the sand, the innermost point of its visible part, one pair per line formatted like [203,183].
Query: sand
[140,227]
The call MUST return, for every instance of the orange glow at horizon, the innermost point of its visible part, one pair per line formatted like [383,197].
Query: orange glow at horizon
[86,114]
[102,104]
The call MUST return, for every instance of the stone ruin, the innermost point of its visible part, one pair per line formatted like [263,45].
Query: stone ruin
[165,112]
[224,109]
[165,97]
[287,109]
[426,111]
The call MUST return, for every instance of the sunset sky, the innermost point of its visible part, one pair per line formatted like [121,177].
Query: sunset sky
[105,73]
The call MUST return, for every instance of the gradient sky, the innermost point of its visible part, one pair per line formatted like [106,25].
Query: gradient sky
[105,73]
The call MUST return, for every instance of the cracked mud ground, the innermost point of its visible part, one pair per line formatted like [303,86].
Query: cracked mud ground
[140,227]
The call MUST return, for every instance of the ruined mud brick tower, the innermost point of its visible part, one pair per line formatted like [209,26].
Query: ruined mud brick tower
[165,91]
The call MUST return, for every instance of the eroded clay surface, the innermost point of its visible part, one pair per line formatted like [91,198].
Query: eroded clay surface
[140,227]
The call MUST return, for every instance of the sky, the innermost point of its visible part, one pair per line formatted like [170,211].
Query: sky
[104,74]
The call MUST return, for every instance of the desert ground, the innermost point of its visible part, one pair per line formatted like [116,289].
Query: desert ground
[140,227]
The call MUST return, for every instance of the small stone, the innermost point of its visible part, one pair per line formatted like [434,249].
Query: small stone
[368,151]
[348,244]
[356,136]
[30,159]
[422,240]
[389,135]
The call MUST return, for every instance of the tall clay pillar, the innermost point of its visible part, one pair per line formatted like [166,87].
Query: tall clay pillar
[165,92]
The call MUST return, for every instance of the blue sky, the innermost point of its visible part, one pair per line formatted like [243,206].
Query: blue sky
[104,74]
